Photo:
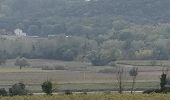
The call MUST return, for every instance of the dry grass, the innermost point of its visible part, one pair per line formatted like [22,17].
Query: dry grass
[10,74]
[145,62]
[93,97]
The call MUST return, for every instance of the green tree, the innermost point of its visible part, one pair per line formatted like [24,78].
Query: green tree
[163,79]
[18,89]
[21,62]
[99,58]
[47,87]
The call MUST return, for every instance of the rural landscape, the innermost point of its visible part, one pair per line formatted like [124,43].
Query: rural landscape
[84,50]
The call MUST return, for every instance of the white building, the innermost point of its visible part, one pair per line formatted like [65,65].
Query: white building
[19,33]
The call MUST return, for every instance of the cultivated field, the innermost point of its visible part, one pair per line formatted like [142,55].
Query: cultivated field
[77,75]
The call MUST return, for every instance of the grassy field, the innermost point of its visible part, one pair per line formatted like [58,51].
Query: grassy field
[93,97]
[77,75]
[145,62]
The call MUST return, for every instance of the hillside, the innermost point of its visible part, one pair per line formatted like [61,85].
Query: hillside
[42,17]
[98,30]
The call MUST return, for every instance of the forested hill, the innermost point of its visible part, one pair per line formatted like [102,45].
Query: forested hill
[99,31]
[76,17]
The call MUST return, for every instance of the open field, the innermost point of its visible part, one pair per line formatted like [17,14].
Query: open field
[77,75]
[145,62]
[93,97]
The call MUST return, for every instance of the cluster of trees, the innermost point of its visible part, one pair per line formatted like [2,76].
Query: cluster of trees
[19,89]
[123,41]
[100,31]
[60,47]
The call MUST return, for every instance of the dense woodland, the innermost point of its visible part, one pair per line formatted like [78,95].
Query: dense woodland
[99,31]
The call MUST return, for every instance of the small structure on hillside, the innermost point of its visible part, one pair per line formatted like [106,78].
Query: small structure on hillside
[18,32]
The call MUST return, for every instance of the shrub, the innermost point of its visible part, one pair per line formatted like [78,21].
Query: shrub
[168,80]
[84,93]
[152,91]
[53,68]
[47,68]
[107,92]
[59,68]
[163,81]
[18,89]
[47,87]
[107,70]
[68,92]
[3,92]
[167,89]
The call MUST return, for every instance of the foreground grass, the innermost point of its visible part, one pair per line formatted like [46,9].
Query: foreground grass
[93,97]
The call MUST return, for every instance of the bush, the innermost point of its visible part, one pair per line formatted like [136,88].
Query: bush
[47,68]
[84,92]
[107,92]
[59,68]
[18,89]
[53,68]
[68,92]
[167,89]
[47,87]
[168,80]
[152,91]
[107,70]
[3,92]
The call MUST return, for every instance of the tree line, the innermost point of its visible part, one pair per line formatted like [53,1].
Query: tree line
[124,41]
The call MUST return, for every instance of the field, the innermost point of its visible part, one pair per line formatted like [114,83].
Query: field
[78,75]
[93,97]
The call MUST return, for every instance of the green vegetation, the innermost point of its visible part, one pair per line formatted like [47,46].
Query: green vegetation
[21,62]
[163,80]
[47,87]
[105,35]
[97,31]
[18,89]
[3,92]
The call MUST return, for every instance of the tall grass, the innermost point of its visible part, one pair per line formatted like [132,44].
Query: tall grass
[93,97]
